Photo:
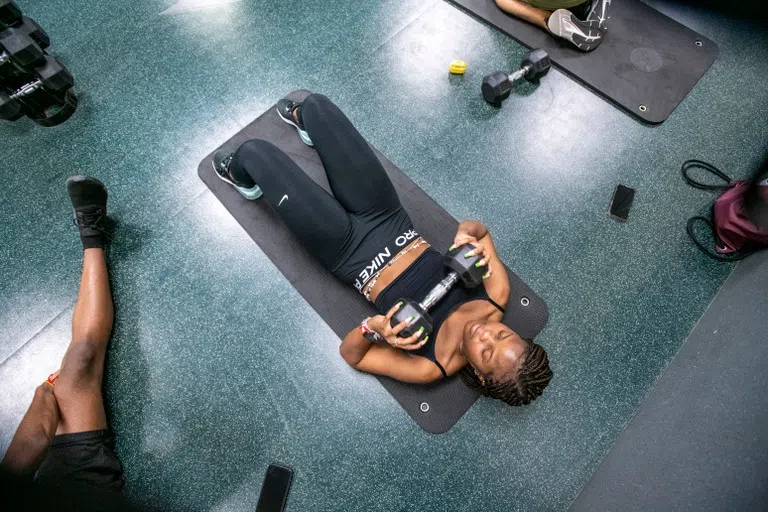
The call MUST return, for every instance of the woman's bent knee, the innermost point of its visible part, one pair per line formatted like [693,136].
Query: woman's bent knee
[315,99]
[314,105]
[256,156]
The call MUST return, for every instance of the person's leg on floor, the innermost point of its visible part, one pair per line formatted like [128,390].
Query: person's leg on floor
[356,176]
[313,215]
[82,452]
[70,401]
[560,18]
[78,388]
[345,231]
[526,12]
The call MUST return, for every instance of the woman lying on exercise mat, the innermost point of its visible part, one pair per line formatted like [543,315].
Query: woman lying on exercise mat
[577,21]
[365,238]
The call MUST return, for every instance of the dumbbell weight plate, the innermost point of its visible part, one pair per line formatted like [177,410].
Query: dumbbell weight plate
[539,63]
[35,31]
[421,319]
[54,75]
[10,14]
[10,110]
[496,87]
[21,48]
[470,275]
[57,114]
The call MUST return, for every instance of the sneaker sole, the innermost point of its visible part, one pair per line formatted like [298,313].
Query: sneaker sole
[248,193]
[302,134]
[587,39]
[80,179]
[599,15]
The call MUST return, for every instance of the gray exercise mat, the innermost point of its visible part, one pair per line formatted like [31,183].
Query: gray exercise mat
[647,63]
[435,407]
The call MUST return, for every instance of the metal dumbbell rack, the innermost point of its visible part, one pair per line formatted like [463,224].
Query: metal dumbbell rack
[32,82]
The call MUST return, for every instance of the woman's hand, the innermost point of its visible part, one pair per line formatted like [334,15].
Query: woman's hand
[462,238]
[381,324]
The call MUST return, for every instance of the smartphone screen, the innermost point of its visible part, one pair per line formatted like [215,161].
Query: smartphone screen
[274,492]
[621,202]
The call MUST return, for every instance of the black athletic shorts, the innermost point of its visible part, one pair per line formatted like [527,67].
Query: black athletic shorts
[83,458]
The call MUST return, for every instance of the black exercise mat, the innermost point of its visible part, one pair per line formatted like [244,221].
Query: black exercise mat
[647,63]
[435,407]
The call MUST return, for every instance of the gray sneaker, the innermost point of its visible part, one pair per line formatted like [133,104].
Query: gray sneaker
[585,35]
[221,161]
[89,200]
[599,13]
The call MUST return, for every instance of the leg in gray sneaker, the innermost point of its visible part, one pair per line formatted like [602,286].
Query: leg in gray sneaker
[599,13]
[585,35]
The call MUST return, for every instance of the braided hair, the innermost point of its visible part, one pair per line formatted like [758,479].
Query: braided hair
[516,388]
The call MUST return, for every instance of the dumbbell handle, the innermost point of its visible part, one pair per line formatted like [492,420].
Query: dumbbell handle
[519,74]
[27,89]
[439,291]
[415,315]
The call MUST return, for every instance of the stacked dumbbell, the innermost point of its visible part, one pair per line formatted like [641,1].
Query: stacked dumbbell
[32,83]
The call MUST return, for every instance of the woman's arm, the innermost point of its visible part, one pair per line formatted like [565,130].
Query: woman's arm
[369,357]
[354,347]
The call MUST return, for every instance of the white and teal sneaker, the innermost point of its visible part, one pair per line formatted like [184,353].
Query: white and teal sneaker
[221,161]
[287,110]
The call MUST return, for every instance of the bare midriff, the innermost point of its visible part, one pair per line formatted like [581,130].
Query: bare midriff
[391,272]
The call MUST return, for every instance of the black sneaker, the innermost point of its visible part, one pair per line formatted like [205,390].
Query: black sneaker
[221,161]
[599,13]
[288,112]
[89,199]
[585,35]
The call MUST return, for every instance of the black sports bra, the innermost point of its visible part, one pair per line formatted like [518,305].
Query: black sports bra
[415,282]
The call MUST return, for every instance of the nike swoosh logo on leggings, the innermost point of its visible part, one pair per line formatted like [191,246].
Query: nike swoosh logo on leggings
[283,199]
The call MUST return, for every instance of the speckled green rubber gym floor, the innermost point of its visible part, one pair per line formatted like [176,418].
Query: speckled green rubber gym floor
[218,367]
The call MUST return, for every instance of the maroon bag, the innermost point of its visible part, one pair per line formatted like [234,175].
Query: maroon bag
[736,235]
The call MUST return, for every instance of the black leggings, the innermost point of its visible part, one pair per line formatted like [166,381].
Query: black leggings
[353,232]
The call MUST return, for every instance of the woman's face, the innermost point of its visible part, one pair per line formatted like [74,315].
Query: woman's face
[493,349]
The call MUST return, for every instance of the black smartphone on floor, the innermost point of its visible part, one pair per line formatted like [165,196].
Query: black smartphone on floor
[621,203]
[274,491]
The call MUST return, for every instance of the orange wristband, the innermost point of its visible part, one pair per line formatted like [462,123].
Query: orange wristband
[51,380]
